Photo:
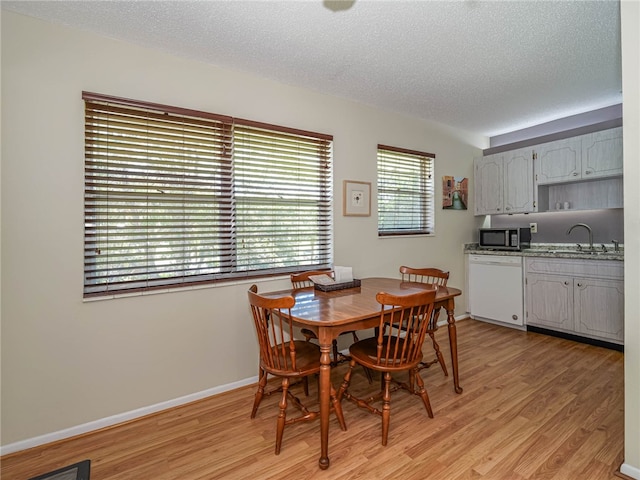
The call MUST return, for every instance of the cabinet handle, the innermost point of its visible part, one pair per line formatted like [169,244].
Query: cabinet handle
[588,172]
[508,208]
[575,174]
[566,283]
[579,284]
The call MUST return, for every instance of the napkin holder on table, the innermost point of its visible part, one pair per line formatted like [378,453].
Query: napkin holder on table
[343,279]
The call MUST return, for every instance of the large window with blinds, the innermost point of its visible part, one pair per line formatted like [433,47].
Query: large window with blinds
[406,192]
[177,197]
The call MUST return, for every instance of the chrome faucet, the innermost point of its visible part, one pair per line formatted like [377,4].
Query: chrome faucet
[584,225]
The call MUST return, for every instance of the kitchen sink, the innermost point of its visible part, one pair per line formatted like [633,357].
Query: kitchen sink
[600,252]
[581,252]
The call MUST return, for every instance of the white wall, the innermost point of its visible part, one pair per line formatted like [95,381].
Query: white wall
[66,362]
[630,19]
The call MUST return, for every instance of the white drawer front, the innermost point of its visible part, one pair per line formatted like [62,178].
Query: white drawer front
[577,268]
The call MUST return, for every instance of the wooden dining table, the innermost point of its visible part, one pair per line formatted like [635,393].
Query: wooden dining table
[328,314]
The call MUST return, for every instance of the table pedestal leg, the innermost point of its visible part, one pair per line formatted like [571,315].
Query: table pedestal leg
[453,344]
[325,401]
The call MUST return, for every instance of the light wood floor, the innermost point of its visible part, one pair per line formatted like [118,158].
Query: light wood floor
[533,407]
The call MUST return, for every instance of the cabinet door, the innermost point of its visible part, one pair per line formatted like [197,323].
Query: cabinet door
[518,181]
[599,308]
[559,161]
[602,154]
[550,301]
[488,185]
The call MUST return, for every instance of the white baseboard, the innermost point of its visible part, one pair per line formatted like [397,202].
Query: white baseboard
[442,322]
[121,417]
[629,471]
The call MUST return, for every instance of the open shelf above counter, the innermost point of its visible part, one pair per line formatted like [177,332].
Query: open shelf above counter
[584,195]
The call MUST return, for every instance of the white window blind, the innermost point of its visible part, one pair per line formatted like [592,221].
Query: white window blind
[405,191]
[176,197]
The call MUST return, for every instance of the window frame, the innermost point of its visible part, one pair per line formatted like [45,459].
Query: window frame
[395,201]
[296,166]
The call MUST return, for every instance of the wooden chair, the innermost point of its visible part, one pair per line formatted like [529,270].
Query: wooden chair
[405,319]
[284,357]
[432,276]
[261,373]
[301,280]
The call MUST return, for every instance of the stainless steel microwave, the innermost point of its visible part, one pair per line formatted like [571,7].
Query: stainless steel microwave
[505,238]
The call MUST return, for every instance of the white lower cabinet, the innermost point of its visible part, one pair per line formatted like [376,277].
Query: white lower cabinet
[549,301]
[580,297]
[598,308]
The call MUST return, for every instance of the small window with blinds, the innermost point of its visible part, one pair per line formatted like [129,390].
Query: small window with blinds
[176,197]
[406,192]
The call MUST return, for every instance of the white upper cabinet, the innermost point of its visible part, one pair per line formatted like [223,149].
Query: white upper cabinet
[559,161]
[594,155]
[488,184]
[602,154]
[504,183]
[519,191]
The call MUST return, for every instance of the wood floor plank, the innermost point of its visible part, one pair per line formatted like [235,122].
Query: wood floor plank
[533,407]
[501,444]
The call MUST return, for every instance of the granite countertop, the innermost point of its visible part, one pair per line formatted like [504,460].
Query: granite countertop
[554,250]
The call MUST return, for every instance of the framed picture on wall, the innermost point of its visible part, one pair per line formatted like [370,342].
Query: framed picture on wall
[356,200]
[455,192]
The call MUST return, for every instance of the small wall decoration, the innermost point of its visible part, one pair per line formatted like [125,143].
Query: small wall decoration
[356,199]
[455,193]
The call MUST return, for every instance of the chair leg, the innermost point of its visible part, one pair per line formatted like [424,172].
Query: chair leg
[305,386]
[423,393]
[346,381]
[337,407]
[367,373]
[336,354]
[386,407]
[433,325]
[439,355]
[282,415]
[412,381]
[262,382]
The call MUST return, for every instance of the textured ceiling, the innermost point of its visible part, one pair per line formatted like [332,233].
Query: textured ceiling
[489,67]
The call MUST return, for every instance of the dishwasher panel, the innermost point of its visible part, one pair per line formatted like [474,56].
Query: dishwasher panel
[496,289]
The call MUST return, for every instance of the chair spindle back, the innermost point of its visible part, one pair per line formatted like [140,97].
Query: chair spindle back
[402,317]
[272,319]
[433,276]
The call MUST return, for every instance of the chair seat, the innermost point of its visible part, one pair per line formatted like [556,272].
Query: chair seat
[365,352]
[307,359]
